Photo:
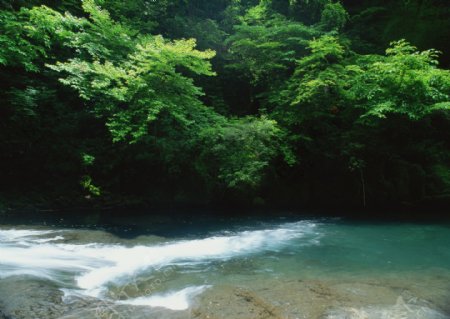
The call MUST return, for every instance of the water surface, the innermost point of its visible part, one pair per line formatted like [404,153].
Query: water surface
[281,267]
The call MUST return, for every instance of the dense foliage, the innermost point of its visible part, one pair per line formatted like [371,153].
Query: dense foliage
[239,101]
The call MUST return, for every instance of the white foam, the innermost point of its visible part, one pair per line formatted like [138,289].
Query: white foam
[400,310]
[127,261]
[179,300]
[13,235]
[46,240]
[28,272]
[93,266]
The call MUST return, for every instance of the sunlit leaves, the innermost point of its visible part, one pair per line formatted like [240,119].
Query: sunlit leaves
[16,47]
[406,81]
[123,88]
[334,16]
[88,185]
[318,75]
[266,51]
[130,91]
[240,150]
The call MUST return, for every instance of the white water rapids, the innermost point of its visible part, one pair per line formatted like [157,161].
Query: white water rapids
[93,266]
[275,260]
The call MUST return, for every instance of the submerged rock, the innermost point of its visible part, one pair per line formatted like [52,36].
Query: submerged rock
[315,299]
[235,302]
[25,297]
[3,316]
[401,310]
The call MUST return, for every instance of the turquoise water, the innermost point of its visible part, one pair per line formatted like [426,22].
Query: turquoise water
[241,268]
[366,247]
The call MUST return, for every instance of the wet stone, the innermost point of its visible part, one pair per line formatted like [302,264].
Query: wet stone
[3,316]
[24,297]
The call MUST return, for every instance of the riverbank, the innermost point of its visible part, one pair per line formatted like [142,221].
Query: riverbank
[427,210]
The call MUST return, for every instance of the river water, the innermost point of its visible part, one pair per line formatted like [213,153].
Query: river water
[280,267]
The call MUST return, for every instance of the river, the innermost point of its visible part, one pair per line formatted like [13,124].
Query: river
[221,267]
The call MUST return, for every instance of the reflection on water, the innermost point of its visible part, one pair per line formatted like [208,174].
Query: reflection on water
[298,269]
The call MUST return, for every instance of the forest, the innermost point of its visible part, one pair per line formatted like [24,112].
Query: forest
[264,103]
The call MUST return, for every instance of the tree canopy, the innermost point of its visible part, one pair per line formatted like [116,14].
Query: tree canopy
[284,102]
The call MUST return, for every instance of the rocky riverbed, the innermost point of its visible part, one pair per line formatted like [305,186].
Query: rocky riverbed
[287,270]
[26,297]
